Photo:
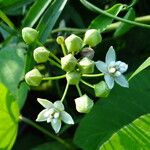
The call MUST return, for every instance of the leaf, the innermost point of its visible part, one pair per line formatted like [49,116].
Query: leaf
[119,109]
[12,62]
[144,65]
[9,116]
[50,17]
[35,12]
[101,22]
[50,146]
[134,136]
[124,27]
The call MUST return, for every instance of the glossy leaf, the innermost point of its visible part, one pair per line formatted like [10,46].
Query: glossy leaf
[134,136]
[101,22]
[9,115]
[12,61]
[144,65]
[50,17]
[119,109]
[35,12]
[124,27]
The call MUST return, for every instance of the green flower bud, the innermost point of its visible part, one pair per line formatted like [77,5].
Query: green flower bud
[86,65]
[33,77]
[73,77]
[73,43]
[101,89]
[88,52]
[68,62]
[60,40]
[41,55]
[29,35]
[92,37]
[83,104]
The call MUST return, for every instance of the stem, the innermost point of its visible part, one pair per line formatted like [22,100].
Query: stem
[65,92]
[100,11]
[55,57]
[78,88]
[33,124]
[93,75]
[86,83]
[54,78]
[54,63]
[63,49]
[39,43]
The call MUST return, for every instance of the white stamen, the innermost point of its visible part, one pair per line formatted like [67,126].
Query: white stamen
[112,70]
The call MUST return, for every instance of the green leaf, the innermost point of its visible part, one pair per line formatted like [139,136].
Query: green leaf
[101,22]
[12,62]
[134,136]
[119,109]
[35,12]
[50,146]
[50,17]
[144,65]
[9,116]
[124,27]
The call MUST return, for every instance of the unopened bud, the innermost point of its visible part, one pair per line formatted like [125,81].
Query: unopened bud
[68,62]
[41,54]
[92,37]
[73,43]
[60,40]
[33,77]
[29,35]
[83,104]
[88,52]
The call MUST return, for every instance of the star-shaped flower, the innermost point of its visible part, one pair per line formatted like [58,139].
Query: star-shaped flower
[54,113]
[113,69]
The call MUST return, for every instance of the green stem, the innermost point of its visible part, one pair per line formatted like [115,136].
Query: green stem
[100,11]
[54,78]
[93,75]
[78,88]
[54,63]
[64,49]
[33,124]
[39,43]
[86,83]
[55,57]
[65,92]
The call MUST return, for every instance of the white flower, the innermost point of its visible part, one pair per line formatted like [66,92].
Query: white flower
[54,113]
[113,69]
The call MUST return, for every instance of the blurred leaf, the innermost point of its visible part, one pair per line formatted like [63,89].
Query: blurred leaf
[119,109]
[50,17]
[134,136]
[50,146]
[124,27]
[9,116]
[12,59]
[101,22]
[144,65]
[35,12]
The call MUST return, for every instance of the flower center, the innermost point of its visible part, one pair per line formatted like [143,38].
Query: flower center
[112,70]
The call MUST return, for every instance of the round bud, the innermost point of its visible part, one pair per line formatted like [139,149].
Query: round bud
[86,65]
[29,35]
[83,104]
[88,52]
[73,77]
[33,77]
[60,40]
[68,62]
[101,89]
[92,37]
[41,55]
[73,43]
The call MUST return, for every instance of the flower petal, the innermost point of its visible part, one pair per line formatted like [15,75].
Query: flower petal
[110,56]
[45,103]
[59,105]
[101,66]
[121,80]
[56,124]
[41,116]
[109,80]
[65,117]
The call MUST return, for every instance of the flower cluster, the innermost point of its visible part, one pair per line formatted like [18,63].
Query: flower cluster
[76,71]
